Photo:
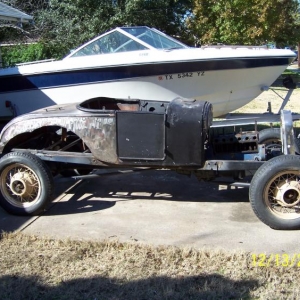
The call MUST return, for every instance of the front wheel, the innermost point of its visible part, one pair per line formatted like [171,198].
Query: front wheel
[275,192]
[26,184]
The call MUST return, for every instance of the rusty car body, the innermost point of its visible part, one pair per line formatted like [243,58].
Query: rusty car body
[105,132]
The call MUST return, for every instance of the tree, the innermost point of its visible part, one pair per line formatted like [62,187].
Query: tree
[245,22]
[69,23]
[61,25]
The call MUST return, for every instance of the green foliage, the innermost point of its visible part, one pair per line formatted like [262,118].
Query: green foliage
[69,23]
[12,55]
[62,25]
[245,22]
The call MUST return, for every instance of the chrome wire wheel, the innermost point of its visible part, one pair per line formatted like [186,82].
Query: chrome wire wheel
[20,185]
[26,184]
[282,194]
[274,192]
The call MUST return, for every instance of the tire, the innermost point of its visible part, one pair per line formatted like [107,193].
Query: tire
[26,184]
[275,192]
[271,137]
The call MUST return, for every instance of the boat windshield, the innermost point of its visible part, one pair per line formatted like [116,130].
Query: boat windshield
[110,43]
[154,38]
[127,39]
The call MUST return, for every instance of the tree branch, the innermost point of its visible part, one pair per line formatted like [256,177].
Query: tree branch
[15,27]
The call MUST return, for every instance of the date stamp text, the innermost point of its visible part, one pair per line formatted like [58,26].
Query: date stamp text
[276,260]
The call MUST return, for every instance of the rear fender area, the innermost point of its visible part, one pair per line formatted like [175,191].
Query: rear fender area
[94,133]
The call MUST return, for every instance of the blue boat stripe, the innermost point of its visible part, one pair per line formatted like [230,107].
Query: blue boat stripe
[86,76]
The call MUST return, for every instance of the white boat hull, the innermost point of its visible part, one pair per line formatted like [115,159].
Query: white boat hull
[227,90]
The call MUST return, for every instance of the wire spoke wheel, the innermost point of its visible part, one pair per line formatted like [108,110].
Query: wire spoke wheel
[26,183]
[282,195]
[20,185]
[274,192]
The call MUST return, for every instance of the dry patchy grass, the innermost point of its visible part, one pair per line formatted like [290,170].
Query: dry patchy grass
[40,268]
[260,104]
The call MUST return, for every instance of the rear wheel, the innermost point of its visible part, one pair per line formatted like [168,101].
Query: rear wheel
[26,184]
[275,192]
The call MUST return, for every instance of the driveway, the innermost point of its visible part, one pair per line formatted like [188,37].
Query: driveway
[158,208]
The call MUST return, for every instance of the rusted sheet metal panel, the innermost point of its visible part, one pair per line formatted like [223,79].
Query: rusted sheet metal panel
[98,133]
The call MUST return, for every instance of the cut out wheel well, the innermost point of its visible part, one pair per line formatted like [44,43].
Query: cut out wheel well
[47,138]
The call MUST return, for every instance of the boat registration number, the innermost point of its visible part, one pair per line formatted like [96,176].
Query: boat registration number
[181,75]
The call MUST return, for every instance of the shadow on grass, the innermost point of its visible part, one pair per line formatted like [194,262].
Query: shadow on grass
[213,286]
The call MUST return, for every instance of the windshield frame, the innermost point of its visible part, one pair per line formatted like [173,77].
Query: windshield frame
[157,33]
[124,31]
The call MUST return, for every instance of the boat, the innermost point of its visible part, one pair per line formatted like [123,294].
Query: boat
[143,63]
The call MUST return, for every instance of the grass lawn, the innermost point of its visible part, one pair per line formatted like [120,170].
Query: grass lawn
[40,268]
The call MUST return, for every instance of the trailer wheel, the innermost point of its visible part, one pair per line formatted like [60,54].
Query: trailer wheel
[275,192]
[26,184]
[271,138]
